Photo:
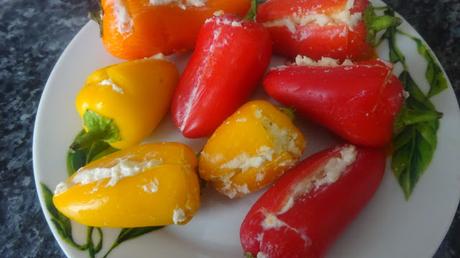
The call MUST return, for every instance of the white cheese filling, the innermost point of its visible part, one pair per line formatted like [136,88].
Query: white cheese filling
[245,162]
[299,19]
[332,171]
[230,189]
[289,23]
[406,94]
[151,187]
[283,139]
[324,61]
[335,167]
[159,56]
[227,185]
[224,20]
[272,222]
[260,176]
[178,216]
[114,86]
[230,22]
[243,189]
[183,4]
[212,158]
[287,206]
[61,187]
[261,255]
[122,169]
[218,13]
[123,20]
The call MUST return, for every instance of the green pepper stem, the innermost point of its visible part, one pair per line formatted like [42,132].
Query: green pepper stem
[252,13]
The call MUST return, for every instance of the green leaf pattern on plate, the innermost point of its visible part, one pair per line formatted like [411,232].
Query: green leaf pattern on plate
[416,127]
[130,233]
[89,145]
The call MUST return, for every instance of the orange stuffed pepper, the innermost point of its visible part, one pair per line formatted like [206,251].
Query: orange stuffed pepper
[251,149]
[133,29]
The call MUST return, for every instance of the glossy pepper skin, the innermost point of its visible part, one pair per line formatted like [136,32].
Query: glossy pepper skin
[330,36]
[251,149]
[133,29]
[165,191]
[230,58]
[136,95]
[307,209]
[358,102]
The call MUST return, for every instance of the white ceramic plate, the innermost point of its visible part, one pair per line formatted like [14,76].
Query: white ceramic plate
[388,227]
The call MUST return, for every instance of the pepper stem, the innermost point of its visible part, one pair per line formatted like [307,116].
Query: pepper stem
[290,112]
[251,15]
[96,15]
[248,255]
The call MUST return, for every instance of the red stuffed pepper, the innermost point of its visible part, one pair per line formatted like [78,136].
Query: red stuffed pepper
[357,101]
[230,59]
[306,210]
[317,28]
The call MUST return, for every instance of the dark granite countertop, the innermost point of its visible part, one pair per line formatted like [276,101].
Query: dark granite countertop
[32,36]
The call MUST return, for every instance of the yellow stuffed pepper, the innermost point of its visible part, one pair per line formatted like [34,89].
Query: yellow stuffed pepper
[251,149]
[147,185]
[125,102]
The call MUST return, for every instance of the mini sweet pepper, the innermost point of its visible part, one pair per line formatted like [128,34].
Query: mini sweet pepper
[147,185]
[251,149]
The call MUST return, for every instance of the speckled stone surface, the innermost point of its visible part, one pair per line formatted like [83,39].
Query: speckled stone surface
[32,36]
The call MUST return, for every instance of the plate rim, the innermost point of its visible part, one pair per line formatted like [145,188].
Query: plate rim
[46,91]
[38,118]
